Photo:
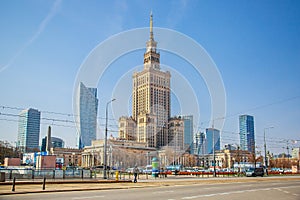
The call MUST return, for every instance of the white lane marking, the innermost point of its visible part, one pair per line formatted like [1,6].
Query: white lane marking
[224,193]
[91,197]
[237,192]
[165,191]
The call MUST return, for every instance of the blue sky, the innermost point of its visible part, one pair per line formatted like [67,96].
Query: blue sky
[255,45]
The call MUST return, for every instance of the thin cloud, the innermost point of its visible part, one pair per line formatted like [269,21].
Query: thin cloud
[41,28]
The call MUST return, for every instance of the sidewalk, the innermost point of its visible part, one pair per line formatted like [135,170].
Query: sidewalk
[23,187]
[36,186]
[59,185]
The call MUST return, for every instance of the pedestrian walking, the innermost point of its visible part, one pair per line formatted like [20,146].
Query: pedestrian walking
[135,173]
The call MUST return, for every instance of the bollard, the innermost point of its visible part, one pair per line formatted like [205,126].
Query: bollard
[44,183]
[10,174]
[117,175]
[32,174]
[14,185]
[82,174]
[2,176]
[53,176]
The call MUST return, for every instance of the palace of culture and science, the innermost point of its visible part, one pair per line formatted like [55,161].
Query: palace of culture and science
[150,131]
[150,122]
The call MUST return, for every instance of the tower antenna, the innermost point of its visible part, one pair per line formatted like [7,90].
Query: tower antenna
[151,26]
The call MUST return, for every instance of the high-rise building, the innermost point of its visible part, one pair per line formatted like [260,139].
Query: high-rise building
[200,144]
[247,137]
[88,107]
[212,140]
[188,133]
[180,133]
[176,133]
[151,97]
[55,143]
[29,130]
[127,128]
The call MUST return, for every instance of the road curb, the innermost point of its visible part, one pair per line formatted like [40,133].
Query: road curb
[65,182]
[68,190]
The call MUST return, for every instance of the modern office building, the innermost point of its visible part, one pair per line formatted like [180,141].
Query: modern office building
[29,130]
[55,143]
[88,107]
[151,97]
[188,133]
[212,140]
[247,137]
[199,148]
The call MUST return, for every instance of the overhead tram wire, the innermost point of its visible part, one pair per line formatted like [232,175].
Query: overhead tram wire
[50,121]
[251,109]
[50,112]
[112,119]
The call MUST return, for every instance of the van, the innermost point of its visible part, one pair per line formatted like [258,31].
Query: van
[148,169]
[255,172]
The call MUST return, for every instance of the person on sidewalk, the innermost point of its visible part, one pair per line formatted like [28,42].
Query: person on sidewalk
[135,173]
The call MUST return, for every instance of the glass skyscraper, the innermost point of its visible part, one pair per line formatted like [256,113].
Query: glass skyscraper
[199,144]
[212,140]
[55,143]
[29,130]
[88,107]
[188,132]
[247,137]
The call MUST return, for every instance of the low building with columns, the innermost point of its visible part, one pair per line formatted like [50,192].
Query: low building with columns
[225,158]
[120,153]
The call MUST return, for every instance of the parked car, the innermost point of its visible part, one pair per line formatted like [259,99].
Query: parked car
[148,169]
[255,172]
[129,170]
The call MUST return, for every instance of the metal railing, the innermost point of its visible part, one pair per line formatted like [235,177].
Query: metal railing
[47,173]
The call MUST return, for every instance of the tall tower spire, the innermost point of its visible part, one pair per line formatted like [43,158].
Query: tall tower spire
[151,97]
[151,26]
[151,57]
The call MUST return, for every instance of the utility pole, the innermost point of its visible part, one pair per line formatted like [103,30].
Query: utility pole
[239,159]
[288,153]
[214,155]
[265,147]
[105,140]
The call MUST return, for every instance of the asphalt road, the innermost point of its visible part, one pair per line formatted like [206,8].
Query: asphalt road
[265,190]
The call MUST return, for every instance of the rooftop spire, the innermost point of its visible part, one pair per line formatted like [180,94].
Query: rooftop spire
[151,26]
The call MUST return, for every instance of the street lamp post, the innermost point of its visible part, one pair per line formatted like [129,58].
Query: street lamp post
[105,140]
[214,153]
[265,146]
